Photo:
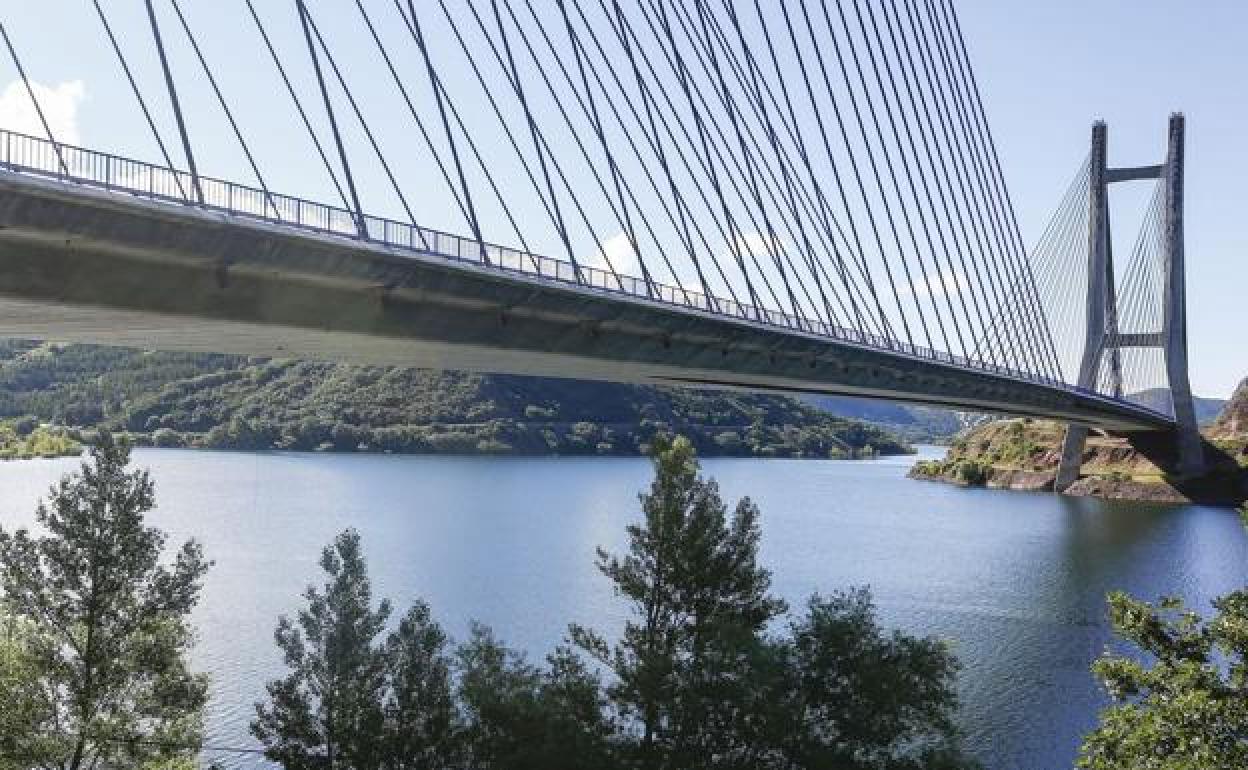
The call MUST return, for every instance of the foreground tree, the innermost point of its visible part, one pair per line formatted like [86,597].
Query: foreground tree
[25,709]
[699,600]
[706,687]
[102,625]
[697,681]
[863,698]
[328,711]
[354,700]
[518,716]
[421,715]
[1188,708]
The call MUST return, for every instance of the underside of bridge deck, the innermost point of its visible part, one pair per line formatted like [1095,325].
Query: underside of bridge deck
[85,265]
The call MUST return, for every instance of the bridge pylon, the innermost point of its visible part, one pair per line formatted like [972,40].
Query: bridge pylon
[1103,339]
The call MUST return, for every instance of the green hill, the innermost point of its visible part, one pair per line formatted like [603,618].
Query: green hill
[1207,409]
[921,424]
[1230,431]
[218,401]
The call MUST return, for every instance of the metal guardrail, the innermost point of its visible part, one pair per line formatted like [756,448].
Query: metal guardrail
[27,154]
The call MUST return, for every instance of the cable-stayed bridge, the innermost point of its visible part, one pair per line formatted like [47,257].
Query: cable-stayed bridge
[798,195]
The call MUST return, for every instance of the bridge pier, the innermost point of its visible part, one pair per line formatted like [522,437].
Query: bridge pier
[1100,278]
[1073,444]
[1102,337]
[1174,330]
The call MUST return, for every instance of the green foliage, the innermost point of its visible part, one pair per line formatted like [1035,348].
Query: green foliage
[231,402]
[916,424]
[1187,710]
[692,580]
[929,468]
[694,682]
[354,701]
[972,473]
[23,438]
[517,716]
[328,711]
[900,713]
[102,624]
[1016,449]
[698,683]
[1007,444]
[1185,705]
[421,715]
[25,709]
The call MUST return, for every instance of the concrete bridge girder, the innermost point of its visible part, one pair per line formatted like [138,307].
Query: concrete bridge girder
[86,265]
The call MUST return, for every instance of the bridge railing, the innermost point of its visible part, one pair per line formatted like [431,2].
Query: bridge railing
[27,154]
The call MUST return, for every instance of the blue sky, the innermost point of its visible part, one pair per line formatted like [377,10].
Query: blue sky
[1049,68]
[1047,71]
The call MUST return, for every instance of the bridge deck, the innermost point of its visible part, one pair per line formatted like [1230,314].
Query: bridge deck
[103,249]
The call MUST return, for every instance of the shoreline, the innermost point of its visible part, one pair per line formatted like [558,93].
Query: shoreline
[1123,490]
[484,454]
[1023,455]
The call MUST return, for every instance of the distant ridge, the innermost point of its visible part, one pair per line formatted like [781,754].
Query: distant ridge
[926,424]
[1207,409]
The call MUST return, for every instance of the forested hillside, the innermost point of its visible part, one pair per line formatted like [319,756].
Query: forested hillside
[920,424]
[214,401]
[1230,431]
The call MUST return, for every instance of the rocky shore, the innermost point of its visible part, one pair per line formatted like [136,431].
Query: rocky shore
[1023,454]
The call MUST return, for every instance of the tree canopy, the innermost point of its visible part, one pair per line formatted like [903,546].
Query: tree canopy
[698,679]
[96,634]
[1183,703]
[700,682]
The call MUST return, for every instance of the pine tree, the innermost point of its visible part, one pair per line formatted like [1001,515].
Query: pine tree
[699,600]
[519,716]
[107,625]
[705,685]
[422,719]
[861,698]
[328,712]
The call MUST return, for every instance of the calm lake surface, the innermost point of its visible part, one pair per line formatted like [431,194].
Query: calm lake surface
[1016,580]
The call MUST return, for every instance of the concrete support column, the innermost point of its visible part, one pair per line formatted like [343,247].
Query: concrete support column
[1099,281]
[1072,456]
[1174,331]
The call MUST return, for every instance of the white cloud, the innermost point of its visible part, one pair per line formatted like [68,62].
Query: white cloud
[758,244]
[618,249]
[948,283]
[59,104]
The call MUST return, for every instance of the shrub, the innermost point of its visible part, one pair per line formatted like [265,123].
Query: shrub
[972,473]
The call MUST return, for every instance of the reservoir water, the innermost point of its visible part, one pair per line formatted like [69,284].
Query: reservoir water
[1016,581]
